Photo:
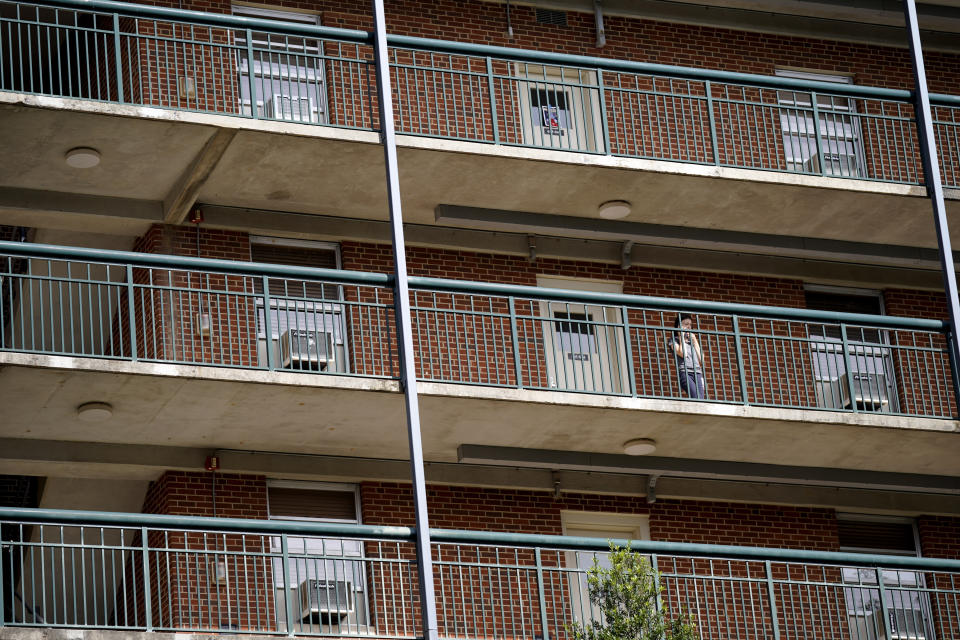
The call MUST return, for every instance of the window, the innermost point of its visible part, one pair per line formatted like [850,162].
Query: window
[608,526]
[326,576]
[869,357]
[839,151]
[908,608]
[307,327]
[286,72]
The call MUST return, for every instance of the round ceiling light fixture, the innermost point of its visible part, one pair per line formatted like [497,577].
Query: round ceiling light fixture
[94,412]
[639,447]
[614,209]
[82,157]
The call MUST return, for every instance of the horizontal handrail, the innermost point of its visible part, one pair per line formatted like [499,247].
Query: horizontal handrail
[110,256]
[463,536]
[449,46]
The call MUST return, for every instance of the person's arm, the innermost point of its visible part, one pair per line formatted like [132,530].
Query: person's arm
[696,345]
[677,346]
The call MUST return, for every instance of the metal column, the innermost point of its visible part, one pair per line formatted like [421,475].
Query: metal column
[401,295]
[931,174]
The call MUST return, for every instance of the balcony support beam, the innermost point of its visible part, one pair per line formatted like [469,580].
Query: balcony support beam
[401,301]
[184,193]
[931,174]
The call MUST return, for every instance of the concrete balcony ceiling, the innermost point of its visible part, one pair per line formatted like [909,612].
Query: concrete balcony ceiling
[188,406]
[156,160]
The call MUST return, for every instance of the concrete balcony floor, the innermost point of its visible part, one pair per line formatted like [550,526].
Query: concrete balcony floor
[188,406]
[152,159]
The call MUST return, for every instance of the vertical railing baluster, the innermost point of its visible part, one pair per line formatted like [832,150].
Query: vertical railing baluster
[250,75]
[628,351]
[287,597]
[771,594]
[118,63]
[604,122]
[712,119]
[131,319]
[267,324]
[846,364]
[816,129]
[147,595]
[515,341]
[493,101]
[541,593]
[741,369]
[884,609]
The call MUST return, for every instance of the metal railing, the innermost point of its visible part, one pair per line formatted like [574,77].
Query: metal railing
[187,60]
[173,573]
[158,308]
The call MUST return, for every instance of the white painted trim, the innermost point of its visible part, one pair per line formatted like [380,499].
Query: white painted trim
[635,525]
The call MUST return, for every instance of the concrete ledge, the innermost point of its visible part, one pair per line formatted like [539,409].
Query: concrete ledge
[687,407]
[472,148]
[196,372]
[23,633]
[476,392]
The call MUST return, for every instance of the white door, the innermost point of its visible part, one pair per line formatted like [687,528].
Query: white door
[584,344]
[559,108]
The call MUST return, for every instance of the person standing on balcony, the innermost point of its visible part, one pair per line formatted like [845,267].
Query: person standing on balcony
[686,348]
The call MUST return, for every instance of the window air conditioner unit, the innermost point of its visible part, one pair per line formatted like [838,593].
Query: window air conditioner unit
[303,349]
[322,601]
[290,108]
[869,392]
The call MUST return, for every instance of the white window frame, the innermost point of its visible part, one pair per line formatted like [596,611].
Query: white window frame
[317,545]
[891,579]
[834,127]
[599,524]
[279,70]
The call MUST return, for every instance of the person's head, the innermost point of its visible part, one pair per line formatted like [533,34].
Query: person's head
[684,321]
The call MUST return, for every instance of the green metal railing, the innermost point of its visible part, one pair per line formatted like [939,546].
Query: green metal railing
[145,307]
[156,56]
[172,573]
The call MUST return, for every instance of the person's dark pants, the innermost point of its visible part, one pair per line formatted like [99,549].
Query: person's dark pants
[693,384]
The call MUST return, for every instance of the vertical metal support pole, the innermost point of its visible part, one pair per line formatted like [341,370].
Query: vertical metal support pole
[515,341]
[5,563]
[604,121]
[401,300]
[131,310]
[287,596]
[846,365]
[147,595]
[931,173]
[118,64]
[771,594]
[816,128]
[954,366]
[741,369]
[268,323]
[250,75]
[541,594]
[493,101]
[712,119]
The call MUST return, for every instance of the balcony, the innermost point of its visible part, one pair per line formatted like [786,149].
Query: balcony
[300,100]
[133,572]
[196,352]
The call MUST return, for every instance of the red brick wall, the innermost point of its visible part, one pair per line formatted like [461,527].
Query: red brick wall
[924,378]
[167,302]
[940,538]
[449,95]
[670,520]
[184,593]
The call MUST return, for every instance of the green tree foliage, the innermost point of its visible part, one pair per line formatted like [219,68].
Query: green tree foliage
[626,595]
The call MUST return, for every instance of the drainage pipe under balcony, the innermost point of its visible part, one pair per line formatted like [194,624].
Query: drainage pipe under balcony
[931,175]
[401,301]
